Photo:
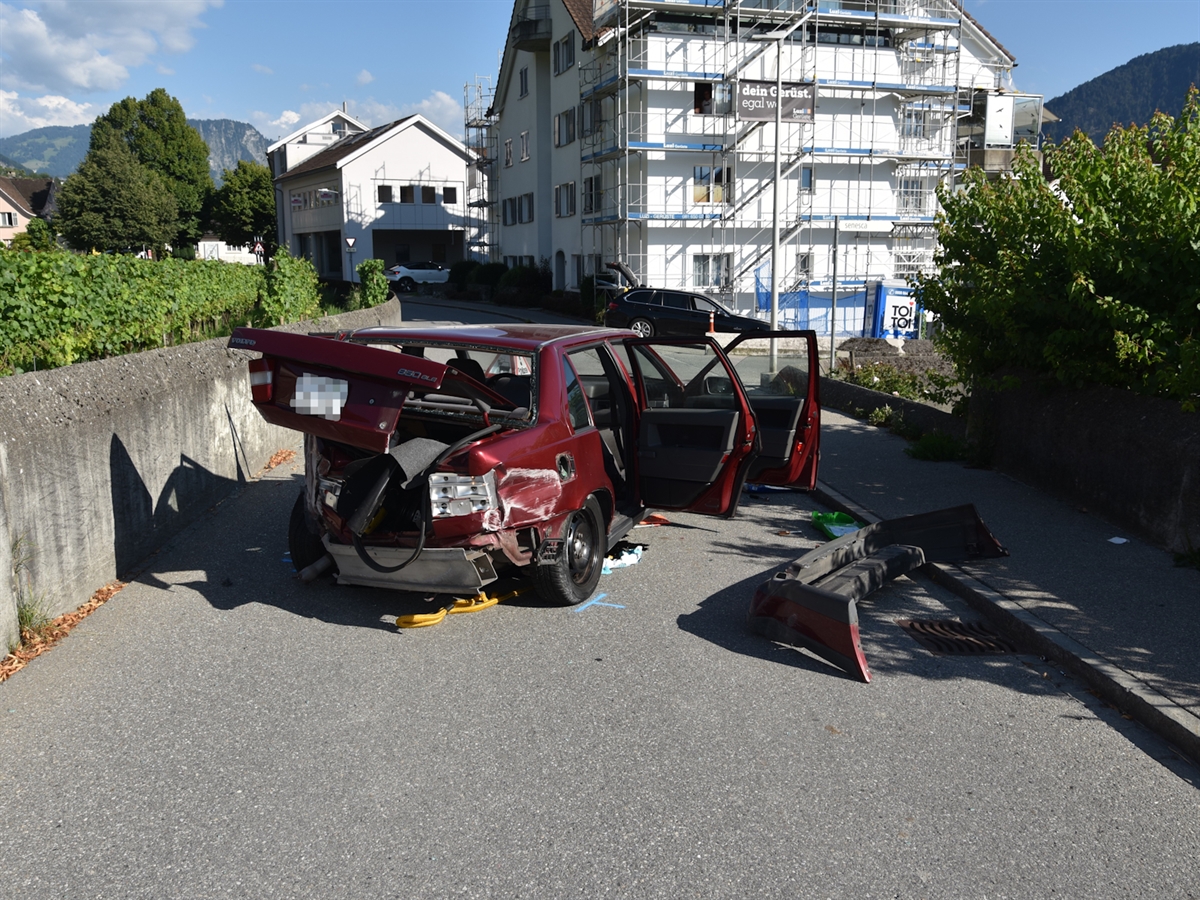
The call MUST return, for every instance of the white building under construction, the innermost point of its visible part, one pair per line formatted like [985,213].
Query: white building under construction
[644,131]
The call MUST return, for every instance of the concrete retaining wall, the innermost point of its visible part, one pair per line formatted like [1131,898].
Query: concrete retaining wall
[102,462]
[1131,459]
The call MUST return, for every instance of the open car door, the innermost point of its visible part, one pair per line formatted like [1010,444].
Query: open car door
[780,373]
[696,431]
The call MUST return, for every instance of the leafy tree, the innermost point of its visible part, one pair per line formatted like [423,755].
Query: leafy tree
[37,237]
[1090,277]
[244,206]
[157,132]
[114,203]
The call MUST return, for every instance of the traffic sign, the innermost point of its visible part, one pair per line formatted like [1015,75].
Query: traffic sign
[350,243]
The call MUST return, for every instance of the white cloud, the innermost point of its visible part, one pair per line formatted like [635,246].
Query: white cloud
[365,77]
[90,45]
[286,119]
[19,114]
[264,70]
[441,109]
[163,70]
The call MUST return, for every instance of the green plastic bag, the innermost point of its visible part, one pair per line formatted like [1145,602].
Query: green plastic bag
[835,524]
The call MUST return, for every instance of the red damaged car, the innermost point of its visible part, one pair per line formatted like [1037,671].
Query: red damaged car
[438,459]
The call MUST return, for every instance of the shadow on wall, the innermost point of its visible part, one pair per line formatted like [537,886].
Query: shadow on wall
[141,525]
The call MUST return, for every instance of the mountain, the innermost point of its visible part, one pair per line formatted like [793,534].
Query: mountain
[228,141]
[58,150]
[1127,94]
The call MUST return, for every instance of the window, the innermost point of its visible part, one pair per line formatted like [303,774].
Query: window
[438,253]
[510,211]
[712,99]
[910,200]
[525,208]
[564,199]
[593,199]
[508,152]
[914,123]
[524,146]
[564,128]
[384,193]
[524,81]
[403,253]
[589,117]
[449,195]
[577,408]
[563,53]
[428,194]
[8,220]
[806,178]
[710,270]
[408,193]
[709,185]
[803,266]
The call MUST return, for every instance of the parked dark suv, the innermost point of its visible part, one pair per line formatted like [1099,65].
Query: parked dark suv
[650,312]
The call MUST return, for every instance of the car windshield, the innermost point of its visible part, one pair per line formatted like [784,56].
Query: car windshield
[507,377]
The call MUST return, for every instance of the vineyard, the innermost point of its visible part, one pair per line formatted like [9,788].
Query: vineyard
[58,308]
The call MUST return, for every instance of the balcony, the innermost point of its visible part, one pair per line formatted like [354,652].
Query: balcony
[531,30]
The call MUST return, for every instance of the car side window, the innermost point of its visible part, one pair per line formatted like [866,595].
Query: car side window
[577,408]
[649,298]
[676,300]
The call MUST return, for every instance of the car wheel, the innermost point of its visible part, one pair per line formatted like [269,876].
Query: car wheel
[642,327]
[573,577]
[303,541]
[407,284]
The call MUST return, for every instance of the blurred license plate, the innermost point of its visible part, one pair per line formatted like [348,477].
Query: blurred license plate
[320,395]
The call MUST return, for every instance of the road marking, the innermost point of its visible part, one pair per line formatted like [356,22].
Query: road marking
[595,601]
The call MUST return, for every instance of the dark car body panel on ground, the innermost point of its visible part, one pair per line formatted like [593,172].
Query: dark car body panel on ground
[528,447]
[674,313]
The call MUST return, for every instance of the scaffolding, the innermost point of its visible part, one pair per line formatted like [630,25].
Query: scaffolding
[666,176]
[479,130]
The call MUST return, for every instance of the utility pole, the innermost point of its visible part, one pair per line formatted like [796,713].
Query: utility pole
[773,366]
[833,297]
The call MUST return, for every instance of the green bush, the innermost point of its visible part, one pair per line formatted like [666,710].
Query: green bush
[937,446]
[292,291]
[374,284]
[57,308]
[461,272]
[1092,277]
[488,274]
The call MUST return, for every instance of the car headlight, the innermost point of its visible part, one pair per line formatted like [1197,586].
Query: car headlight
[461,495]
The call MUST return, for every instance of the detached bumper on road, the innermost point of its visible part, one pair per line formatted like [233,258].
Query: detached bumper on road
[813,603]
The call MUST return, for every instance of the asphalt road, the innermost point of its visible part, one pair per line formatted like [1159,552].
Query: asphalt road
[220,730]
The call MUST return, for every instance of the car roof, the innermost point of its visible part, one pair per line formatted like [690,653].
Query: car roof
[515,336]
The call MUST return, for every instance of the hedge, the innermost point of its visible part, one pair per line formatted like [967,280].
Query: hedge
[57,308]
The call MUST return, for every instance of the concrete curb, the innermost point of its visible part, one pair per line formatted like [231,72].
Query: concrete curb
[1127,693]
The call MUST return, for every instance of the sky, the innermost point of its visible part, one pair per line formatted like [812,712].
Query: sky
[279,65]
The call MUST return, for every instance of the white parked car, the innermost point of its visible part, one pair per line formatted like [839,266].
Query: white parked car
[408,275]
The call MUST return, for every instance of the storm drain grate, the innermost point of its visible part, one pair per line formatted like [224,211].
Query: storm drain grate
[947,637]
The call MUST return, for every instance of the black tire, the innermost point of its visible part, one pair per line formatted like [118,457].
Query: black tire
[642,327]
[407,285]
[303,541]
[573,577]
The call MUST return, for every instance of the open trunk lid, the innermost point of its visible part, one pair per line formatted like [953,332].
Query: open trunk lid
[348,392]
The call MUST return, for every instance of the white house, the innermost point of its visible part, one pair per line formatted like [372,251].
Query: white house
[395,192]
[644,130]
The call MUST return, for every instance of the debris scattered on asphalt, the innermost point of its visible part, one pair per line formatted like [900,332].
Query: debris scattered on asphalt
[835,524]
[653,520]
[630,556]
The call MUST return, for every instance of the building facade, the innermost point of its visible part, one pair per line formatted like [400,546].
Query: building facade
[396,192]
[644,131]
